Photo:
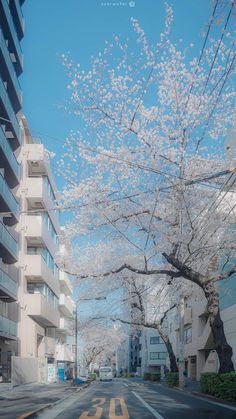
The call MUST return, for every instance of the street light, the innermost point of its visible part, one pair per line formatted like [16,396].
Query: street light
[76,328]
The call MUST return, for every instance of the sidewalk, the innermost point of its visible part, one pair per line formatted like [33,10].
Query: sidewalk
[192,386]
[53,389]
[28,400]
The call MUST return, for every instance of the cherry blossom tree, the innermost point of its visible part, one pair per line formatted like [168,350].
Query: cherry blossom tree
[147,181]
[97,343]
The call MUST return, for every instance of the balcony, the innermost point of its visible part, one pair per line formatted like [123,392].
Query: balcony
[7,200]
[8,161]
[63,353]
[66,305]
[18,18]
[38,163]
[66,326]
[8,328]
[8,287]
[41,311]
[65,284]
[8,72]
[9,113]
[38,234]
[38,197]
[8,26]
[37,270]
[8,245]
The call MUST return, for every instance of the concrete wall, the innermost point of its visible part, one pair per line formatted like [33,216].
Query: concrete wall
[24,370]
[228,316]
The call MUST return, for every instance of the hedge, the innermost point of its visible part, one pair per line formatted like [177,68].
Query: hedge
[222,386]
[152,376]
[172,379]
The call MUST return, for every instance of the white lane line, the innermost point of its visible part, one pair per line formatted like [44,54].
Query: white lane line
[126,385]
[154,412]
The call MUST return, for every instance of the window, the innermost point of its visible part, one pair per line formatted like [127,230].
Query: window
[50,227]
[49,188]
[158,355]
[188,334]
[155,340]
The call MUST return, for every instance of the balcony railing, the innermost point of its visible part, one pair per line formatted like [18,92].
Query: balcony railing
[8,241]
[8,196]
[41,310]
[8,327]
[10,111]
[8,284]
[9,154]
[65,284]
[20,16]
[10,68]
[66,305]
[12,31]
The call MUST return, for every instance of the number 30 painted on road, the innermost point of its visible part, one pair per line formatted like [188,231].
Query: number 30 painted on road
[112,409]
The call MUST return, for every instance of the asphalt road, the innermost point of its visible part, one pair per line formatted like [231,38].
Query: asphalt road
[122,399]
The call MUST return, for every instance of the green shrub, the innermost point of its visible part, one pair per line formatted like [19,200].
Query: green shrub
[152,376]
[172,379]
[222,386]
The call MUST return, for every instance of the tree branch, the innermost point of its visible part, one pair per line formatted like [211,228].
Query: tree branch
[168,272]
[184,270]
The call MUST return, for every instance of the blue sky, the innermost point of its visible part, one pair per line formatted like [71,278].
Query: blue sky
[80,27]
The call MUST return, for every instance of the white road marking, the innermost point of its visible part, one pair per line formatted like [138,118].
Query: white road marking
[154,412]
[126,385]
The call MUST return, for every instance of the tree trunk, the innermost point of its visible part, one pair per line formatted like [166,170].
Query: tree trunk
[223,349]
[173,363]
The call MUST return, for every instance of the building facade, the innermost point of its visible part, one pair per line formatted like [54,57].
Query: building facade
[153,352]
[65,333]
[38,229]
[11,66]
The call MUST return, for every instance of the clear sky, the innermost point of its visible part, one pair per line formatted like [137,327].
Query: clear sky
[80,27]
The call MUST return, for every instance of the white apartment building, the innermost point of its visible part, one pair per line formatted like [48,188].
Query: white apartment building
[65,333]
[38,228]
[153,352]
[198,346]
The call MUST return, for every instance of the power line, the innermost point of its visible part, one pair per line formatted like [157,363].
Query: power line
[218,47]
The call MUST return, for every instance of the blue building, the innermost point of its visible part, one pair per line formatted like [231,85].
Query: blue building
[11,66]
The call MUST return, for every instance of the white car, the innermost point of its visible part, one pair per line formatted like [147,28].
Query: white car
[105,374]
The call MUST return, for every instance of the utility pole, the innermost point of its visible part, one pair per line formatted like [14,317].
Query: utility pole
[76,340]
[181,344]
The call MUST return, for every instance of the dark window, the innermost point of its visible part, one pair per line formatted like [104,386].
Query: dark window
[188,334]
[158,355]
[155,340]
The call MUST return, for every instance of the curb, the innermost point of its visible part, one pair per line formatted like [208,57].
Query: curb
[216,399]
[49,405]
[206,396]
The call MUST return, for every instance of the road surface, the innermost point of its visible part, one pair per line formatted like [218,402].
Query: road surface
[124,399]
